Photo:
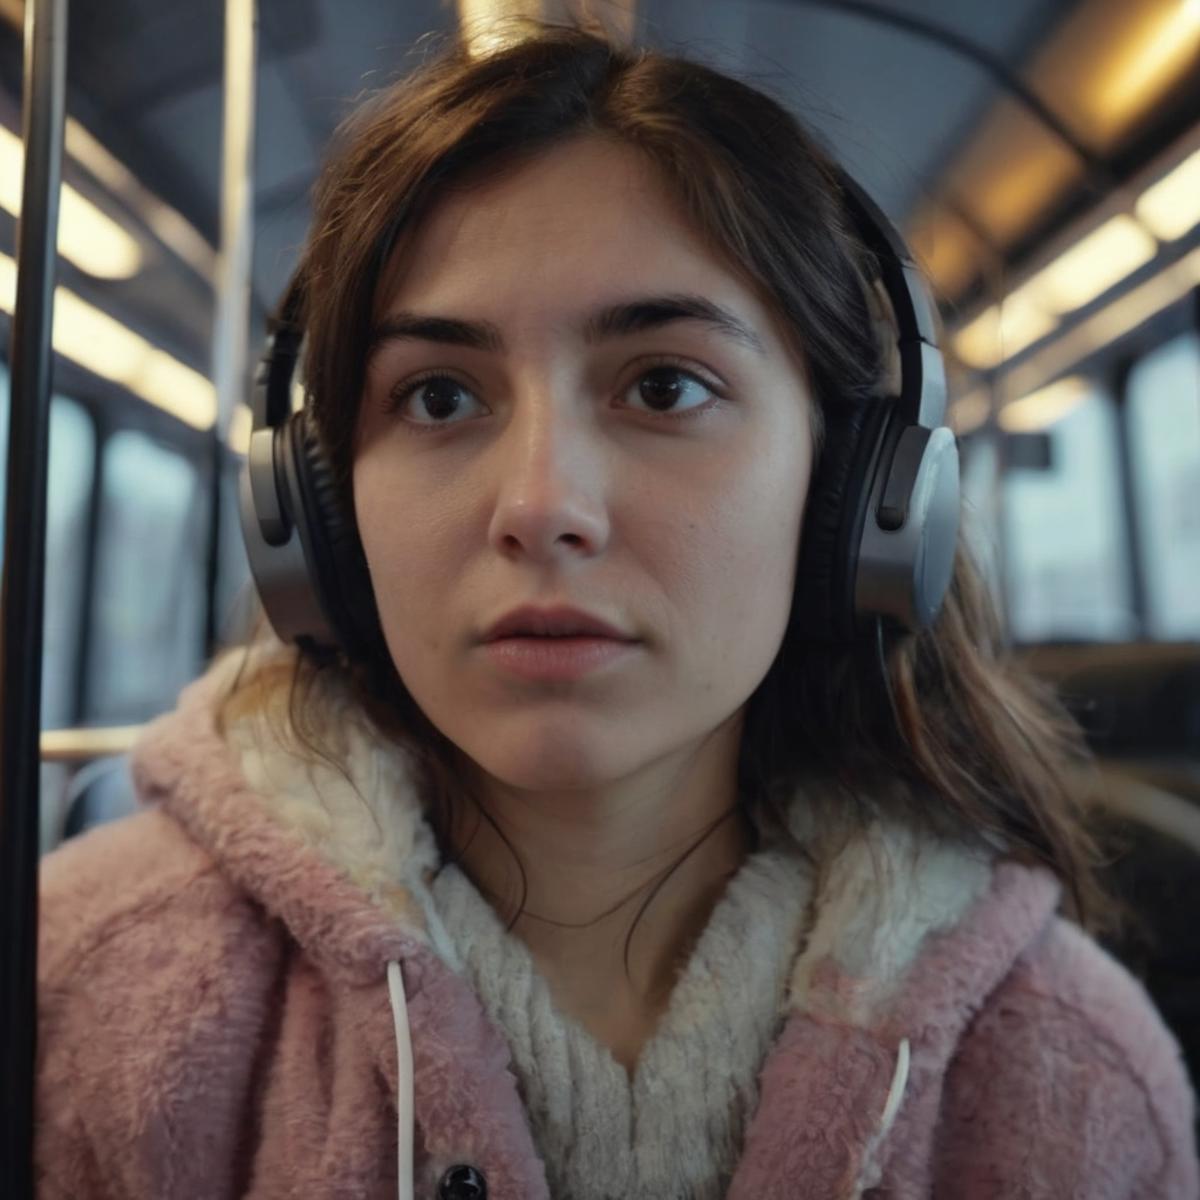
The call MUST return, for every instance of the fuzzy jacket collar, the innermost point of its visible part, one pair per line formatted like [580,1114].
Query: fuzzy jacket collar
[909,935]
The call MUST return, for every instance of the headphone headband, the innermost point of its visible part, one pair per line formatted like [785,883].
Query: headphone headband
[922,399]
[271,402]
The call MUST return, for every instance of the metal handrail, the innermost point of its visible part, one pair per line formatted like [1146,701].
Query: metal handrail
[21,592]
[79,745]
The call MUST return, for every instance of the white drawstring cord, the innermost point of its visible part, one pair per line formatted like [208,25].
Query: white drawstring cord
[869,1172]
[404,1083]
[896,1092]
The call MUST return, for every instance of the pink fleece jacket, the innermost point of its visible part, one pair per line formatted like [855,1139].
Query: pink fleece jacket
[216,1018]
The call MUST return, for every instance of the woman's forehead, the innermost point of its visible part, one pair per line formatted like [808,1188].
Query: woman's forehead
[584,224]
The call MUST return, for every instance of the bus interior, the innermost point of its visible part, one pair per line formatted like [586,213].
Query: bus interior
[1042,158]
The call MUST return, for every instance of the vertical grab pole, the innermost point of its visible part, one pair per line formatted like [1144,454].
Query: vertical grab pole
[21,595]
[231,322]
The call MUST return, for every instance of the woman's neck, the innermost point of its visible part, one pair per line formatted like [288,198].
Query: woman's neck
[591,861]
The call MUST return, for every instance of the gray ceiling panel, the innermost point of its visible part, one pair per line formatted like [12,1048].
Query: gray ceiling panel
[892,104]
[889,115]
[184,132]
[361,47]
[278,239]
[287,145]
[305,95]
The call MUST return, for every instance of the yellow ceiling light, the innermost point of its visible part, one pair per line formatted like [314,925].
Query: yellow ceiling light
[1139,305]
[93,241]
[113,351]
[1088,269]
[89,238]
[491,25]
[1002,331]
[1113,321]
[176,389]
[8,284]
[1159,45]
[1091,266]
[1043,408]
[1172,206]
[94,339]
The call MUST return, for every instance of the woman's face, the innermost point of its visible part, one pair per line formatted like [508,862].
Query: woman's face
[572,400]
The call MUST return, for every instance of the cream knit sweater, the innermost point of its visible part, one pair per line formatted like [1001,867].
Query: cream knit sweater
[676,1129]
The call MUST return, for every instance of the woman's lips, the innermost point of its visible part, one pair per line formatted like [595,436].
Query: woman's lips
[555,659]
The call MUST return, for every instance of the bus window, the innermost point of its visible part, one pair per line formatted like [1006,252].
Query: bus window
[980,472]
[70,467]
[68,502]
[72,453]
[148,612]
[1065,544]
[1164,444]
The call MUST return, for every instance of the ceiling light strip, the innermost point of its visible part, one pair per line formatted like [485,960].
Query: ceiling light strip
[1171,207]
[102,345]
[87,236]
[173,230]
[1114,321]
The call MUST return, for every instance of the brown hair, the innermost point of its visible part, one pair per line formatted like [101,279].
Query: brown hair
[940,729]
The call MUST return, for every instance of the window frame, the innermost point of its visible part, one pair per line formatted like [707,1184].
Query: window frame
[1110,369]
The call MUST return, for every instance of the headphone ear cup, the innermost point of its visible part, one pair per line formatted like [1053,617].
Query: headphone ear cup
[824,608]
[906,556]
[337,565]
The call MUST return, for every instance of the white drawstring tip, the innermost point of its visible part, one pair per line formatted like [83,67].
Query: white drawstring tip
[896,1092]
[404,1083]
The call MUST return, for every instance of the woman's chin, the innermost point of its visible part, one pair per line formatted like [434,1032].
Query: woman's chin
[539,763]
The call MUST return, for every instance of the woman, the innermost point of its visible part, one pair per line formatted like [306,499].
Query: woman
[707,906]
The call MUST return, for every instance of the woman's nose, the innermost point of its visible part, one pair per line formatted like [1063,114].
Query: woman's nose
[551,495]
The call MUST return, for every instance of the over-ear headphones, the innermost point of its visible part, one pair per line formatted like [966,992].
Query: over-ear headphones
[880,530]
[304,550]
[881,525]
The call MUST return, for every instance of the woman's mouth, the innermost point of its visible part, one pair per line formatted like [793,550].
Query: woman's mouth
[555,659]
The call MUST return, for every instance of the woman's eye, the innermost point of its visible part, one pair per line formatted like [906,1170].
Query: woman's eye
[663,389]
[432,401]
[442,400]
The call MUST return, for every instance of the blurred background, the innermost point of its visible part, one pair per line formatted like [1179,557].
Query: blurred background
[1042,156]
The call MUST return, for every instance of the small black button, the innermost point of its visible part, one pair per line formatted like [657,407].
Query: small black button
[462,1183]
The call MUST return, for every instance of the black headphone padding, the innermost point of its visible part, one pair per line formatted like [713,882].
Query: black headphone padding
[342,578]
[833,518]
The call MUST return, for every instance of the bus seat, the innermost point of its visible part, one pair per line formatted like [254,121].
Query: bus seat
[102,791]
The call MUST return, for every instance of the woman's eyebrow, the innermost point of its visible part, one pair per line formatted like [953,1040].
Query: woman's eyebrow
[614,320]
[407,326]
[634,316]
